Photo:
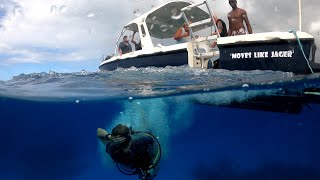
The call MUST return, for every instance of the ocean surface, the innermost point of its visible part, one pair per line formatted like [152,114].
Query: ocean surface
[211,124]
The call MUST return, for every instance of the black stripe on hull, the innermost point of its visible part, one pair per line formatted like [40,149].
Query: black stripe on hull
[162,59]
[258,56]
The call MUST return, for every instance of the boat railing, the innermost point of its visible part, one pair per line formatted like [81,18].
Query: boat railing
[116,48]
[193,5]
[200,47]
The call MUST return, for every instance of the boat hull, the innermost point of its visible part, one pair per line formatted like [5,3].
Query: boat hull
[278,56]
[161,59]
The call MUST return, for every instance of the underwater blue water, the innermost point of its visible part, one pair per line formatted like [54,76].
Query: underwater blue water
[48,124]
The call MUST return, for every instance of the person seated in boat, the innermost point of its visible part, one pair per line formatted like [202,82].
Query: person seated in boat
[236,18]
[183,33]
[136,45]
[132,150]
[221,25]
[222,29]
[124,46]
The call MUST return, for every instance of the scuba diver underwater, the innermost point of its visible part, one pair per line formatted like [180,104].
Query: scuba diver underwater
[135,153]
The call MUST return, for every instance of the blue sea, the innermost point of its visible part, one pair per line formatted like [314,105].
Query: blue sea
[211,124]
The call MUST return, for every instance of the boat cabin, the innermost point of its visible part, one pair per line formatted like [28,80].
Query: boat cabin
[155,29]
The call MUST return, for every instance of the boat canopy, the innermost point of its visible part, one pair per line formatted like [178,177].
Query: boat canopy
[162,22]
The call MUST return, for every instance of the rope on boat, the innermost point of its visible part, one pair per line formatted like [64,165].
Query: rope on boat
[301,48]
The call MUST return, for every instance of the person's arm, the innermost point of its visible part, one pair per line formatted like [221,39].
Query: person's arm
[132,39]
[120,52]
[220,27]
[119,49]
[230,26]
[178,35]
[105,137]
[130,48]
[246,20]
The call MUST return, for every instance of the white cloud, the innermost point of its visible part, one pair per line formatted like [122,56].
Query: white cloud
[78,30]
[315,26]
[68,30]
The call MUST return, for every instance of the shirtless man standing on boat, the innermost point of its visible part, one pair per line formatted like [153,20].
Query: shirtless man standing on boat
[236,18]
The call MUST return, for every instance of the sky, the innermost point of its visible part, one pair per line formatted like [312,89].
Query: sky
[73,35]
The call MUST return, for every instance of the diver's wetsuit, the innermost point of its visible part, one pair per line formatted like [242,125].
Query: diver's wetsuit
[138,156]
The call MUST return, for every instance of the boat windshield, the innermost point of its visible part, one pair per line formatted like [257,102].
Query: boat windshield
[164,22]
